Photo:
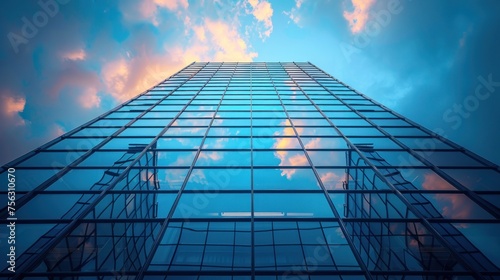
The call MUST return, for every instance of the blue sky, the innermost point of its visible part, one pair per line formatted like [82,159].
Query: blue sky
[67,61]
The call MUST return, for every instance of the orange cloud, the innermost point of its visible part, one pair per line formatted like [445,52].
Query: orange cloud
[126,78]
[285,158]
[88,98]
[11,107]
[359,16]
[214,40]
[263,12]
[200,33]
[79,54]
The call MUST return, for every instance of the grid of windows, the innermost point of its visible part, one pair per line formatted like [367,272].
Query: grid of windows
[254,171]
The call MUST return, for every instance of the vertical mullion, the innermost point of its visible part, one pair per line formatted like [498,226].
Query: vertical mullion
[252,209]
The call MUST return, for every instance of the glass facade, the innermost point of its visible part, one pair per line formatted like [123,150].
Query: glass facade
[252,171]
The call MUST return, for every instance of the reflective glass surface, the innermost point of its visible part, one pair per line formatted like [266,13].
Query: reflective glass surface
[252,171]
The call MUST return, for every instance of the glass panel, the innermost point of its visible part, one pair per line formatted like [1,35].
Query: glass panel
[76,144]
[281,205]
[450,158]
[177,159]
[213,205]
[124,143]
[276,143]
[284,179]
[51,159]
[219,179]
[280,158]
[456,206]
[316,131]
[226,143]
[135,131]
[475,179]
[327,158]
[424,143]
[27,179]
[178,143]
[82,179]
[230,159]
[185,131]
[312,143]
[233,131]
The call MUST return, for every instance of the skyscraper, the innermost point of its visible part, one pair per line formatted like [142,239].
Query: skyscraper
[251,171]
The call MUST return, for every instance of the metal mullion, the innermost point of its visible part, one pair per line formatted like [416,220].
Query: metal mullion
[204,246]
[302,245]
[327,245]
[252,208]
[181,228]
[71,226]
[176,201]
[325,192]
[424,221]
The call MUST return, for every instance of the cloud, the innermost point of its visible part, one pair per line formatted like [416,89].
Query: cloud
[214,40]
[454,206]
[293,14]
[288,158]
[125,78]
[149,9]
[263,12]
[359,16]
[88,98]
[331,180]
[78,54]
[11,105]
[84,84]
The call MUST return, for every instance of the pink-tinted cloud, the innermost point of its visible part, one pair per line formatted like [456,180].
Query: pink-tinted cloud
[288,158]
[214,40]
[454,206]
[333,180]
[88,98]
[149,9]
[78,54]
[359,16]
[56,131]
[11,106]
[172,4]
[86,85]
[125,78]
[263,12]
